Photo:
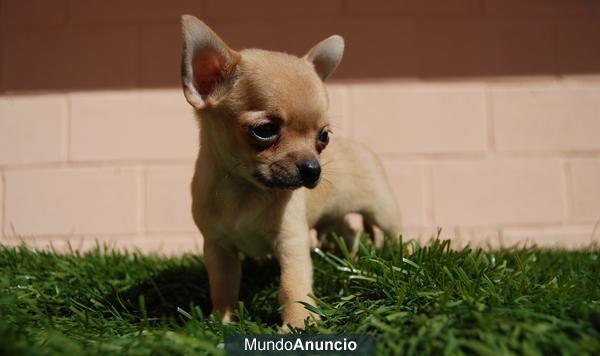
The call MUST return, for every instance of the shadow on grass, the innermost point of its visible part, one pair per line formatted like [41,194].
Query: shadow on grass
[188,287]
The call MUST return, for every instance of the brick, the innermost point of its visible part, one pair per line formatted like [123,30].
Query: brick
[573,237]
[160,47]
[584,189]
[33,12]
[273,35]
[168,199]
[413,7]
[538,8]
[420,234]
[154,124]
[378,48]
[485,47]
[31,129]
[486,238]
[522,47]
[476,237]
[459,236]
[69,58]
[582,79]
[66,244]
[169,245]
[500,191]
[546,119]
[338,113]
[577,48]
[463,45]
[392,40]
[393,118]
[132,11]
[273,9]
[408,185]
[71,201]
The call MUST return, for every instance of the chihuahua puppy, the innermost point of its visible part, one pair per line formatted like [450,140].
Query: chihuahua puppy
[266,171]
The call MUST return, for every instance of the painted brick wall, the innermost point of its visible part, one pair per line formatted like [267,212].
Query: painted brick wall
[485,112]
[90,44]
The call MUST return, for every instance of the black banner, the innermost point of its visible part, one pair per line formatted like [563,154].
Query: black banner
[299,344]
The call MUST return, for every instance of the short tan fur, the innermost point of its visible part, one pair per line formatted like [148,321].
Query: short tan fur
[266,172]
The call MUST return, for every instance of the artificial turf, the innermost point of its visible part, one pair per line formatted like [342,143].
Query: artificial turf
[414,299]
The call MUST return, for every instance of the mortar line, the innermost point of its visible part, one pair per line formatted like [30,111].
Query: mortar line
[141,201]
[567,190]
[429,196]
[349,109]
[489,119]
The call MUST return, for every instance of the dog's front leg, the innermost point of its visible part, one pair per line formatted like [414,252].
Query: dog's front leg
[224,273]
[293,253]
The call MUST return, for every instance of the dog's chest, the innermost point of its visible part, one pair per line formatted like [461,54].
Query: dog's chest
[247,234]
[241,221]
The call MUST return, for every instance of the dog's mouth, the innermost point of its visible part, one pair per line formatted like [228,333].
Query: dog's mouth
[279,177]
[278,181]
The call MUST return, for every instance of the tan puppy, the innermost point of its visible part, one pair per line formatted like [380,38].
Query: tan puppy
[264,140]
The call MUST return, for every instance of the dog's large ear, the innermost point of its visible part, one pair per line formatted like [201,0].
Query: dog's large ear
[207,64]
[326,55]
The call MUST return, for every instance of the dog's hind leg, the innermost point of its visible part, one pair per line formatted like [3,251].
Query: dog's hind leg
[341,227]
[383,214]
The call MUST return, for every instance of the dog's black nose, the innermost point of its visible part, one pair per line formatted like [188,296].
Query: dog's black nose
[310,172]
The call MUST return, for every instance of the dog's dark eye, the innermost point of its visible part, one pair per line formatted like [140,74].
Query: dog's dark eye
[265,132]
[324,137]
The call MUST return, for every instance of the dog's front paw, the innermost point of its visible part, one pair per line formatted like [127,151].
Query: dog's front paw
[298,316]
[225,314]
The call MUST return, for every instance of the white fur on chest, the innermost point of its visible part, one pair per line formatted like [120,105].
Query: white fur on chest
[239,219]
[246,235]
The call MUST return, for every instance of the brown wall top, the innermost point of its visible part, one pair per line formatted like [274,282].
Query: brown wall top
[89,44]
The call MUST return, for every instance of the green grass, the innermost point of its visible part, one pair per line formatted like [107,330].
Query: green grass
[431,300]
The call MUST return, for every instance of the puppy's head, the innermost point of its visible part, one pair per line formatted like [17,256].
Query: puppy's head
[265,113]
